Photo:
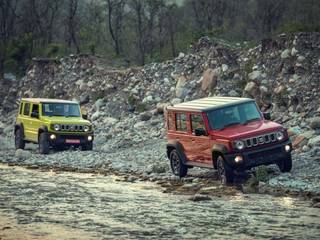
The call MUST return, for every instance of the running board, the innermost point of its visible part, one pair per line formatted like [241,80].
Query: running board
[198,164]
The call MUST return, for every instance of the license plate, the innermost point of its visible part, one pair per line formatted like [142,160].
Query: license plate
[73,141]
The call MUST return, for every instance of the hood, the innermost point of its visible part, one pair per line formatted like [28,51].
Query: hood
[66,120]
[249,130]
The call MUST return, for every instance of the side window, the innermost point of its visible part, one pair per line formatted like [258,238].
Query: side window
[26,111]
[21,107]
[181,122]
[196,122]
[35,108]
[170,121]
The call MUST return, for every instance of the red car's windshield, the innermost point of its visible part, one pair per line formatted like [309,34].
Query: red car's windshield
[233,115]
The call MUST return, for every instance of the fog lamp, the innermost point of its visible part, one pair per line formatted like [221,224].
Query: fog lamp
[287,148]
[238,159]
[52,137]
[89,138]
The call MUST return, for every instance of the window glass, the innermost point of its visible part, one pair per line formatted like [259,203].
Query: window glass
[26,110]
[60,109]
[181,122]
[21,107]
[35,108]
[237,114]
[196,122]
[170,121]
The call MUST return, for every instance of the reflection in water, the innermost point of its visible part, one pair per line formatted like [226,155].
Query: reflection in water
[96,206]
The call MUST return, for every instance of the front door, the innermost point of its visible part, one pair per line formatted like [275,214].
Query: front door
[200,147]
[34,122]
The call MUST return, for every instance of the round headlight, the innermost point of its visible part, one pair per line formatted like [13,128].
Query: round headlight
[86,128]
[279,136]
[56,127]
[239,145]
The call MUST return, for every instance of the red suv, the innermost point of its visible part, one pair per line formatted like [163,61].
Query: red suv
[224,133]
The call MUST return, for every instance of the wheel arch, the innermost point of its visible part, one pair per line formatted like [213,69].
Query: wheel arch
[19,126]
[218,150]
[41,130]
[175,145]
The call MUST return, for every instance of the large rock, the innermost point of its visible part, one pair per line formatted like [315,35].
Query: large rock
[180,87]
[252,88]
[285,54]
[145,116]
[255,75]
[314,122]
[209,79]
[314,141]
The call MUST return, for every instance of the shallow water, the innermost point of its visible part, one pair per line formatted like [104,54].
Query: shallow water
[48,205]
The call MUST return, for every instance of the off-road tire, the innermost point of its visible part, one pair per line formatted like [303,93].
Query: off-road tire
[177,166]
[285,165]
[225,173]
[87,147]
[18,139]
[44,145]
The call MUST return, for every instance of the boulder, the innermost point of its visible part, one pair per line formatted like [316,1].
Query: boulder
[109,121]
[285,54]
[255,75]
[209,79]
[314,141]
[314,122]
[252,88]
[145,116]
[180,87]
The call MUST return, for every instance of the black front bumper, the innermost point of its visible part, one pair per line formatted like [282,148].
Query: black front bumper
[69,139]
[262,156]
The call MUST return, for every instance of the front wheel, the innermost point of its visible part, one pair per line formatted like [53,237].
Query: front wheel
[87,147]
[44,146]
[225,173]
[285,165]
[177,166]
[18,139]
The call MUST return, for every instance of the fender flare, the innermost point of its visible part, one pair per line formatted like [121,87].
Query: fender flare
[218,149]
[43,128]
[174,144]
[19,126]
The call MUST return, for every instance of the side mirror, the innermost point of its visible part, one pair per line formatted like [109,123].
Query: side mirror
[35,115]
[200,132]
[267,116]
[85,116]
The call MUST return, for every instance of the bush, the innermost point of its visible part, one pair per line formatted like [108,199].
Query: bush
[294,26]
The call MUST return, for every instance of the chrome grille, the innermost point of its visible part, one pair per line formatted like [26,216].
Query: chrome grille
[259,140]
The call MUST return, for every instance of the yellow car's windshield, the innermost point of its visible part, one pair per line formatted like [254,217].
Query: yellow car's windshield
[60,109]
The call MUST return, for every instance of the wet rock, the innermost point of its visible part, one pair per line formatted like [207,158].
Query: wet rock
[22,154]
[200,197]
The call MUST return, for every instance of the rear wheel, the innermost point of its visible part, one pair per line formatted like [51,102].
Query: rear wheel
[44,146]
[285,165]
[19,142]
[177,166]
[225,173]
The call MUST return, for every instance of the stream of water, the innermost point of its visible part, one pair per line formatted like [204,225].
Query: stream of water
[49,205]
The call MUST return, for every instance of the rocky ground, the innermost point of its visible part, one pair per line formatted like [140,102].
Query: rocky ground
[127,105]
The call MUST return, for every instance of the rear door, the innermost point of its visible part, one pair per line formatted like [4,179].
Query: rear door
[25,117]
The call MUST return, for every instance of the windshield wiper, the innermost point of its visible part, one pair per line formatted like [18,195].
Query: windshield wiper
[229,124]
[251,120]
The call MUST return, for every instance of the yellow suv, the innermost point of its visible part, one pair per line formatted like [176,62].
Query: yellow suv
[52,123]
